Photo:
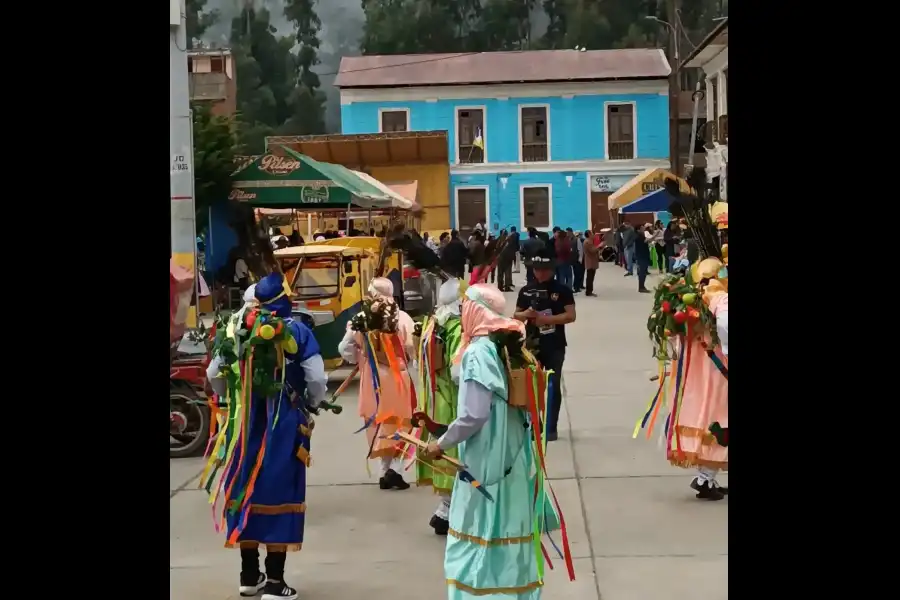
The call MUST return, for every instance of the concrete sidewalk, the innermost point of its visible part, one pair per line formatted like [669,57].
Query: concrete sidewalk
[635,528]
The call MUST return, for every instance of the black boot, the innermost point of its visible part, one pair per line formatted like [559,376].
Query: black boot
[278,590]
[705,491]
[440,526]
[392,480]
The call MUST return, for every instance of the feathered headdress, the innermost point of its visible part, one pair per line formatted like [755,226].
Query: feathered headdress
[694,208]
[416,251]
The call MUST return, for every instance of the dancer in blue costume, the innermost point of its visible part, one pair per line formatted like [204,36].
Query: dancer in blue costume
[263,488]
[490,547]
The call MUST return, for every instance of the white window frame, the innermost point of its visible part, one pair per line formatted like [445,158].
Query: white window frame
[634,127]
[487,203]
[484,130]
[546,107]
[522,188]
[381,112]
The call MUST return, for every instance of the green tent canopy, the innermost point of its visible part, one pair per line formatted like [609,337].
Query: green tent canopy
[298,181]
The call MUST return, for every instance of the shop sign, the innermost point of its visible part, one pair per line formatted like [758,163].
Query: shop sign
[241,196]
[278,165]
[314,195]
[608,183]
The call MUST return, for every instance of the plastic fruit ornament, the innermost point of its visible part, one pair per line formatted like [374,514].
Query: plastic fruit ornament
[267,332]
[251,319]
[290,345]
[689,298]
[279,327]
[680,317]
[666,307]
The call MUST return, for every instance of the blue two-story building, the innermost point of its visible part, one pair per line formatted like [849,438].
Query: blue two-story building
[537,139]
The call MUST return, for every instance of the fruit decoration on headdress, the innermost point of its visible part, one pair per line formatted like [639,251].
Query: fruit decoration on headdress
[377,314]
[677,311]
[262,336]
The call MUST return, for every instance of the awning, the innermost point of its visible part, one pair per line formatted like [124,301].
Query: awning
[398,200]
[645,182]
[365,150]
[298,181]
[657,201]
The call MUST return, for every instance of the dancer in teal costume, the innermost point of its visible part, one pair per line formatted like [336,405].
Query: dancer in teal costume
[490,546]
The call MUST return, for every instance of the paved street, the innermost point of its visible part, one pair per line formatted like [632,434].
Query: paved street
[635,528]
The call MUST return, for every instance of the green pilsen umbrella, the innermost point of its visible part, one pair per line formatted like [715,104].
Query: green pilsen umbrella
[298,181]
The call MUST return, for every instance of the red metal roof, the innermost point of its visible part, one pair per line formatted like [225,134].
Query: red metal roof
[500,67]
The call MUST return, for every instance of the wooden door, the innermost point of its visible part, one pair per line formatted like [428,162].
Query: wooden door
[600,210]
[471,207]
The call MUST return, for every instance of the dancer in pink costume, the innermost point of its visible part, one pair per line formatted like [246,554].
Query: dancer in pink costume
[393,408]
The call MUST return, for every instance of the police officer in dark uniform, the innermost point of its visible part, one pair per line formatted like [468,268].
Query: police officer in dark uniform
[547,306]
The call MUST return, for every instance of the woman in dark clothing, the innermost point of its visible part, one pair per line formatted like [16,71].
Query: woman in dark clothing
[642,257]
[476,250]
[670,238]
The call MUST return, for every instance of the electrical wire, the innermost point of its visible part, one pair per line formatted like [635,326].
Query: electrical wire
[683,30]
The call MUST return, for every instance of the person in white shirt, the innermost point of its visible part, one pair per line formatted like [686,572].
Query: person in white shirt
[241,273]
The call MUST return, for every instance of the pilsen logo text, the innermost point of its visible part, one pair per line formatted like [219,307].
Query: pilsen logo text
[241,195]
[314,195]
[278,165]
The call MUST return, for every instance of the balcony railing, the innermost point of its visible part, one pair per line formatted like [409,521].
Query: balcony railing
[469,154]
[534,152]
[621,150]
[208,86]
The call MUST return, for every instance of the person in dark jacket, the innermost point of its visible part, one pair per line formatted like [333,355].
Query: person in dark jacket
[629,234]
[505,260]
[642,256]
[476,249]
[454,255]
[531,247]
[670,238]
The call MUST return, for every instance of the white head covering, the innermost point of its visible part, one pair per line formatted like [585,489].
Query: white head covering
[382,287]
[250,294]
[448,301]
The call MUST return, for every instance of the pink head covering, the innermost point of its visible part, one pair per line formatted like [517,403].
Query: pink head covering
[482,314]
[381,286]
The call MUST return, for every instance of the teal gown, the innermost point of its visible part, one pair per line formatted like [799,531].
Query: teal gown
[490,547]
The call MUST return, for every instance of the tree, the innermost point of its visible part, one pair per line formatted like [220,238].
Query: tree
[266,75]
[197,21]
[506,24]
[306,102]
[214,153]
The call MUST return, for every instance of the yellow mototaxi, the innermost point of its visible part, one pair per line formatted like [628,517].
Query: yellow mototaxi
[328,282]
[393,269]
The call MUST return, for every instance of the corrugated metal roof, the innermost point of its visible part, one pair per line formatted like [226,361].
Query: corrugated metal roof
[500,67]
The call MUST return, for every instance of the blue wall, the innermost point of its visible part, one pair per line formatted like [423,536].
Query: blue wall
[570,204]
[576,124]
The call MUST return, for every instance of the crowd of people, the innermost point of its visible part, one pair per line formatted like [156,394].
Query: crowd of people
[466,400]
[576,255]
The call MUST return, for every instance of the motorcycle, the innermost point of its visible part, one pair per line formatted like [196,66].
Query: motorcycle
[189,414]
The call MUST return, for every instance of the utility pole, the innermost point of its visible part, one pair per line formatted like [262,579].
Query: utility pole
[674,84]
[181,153]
